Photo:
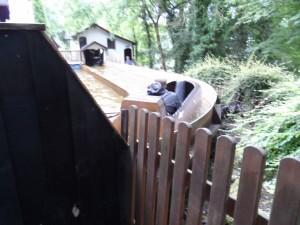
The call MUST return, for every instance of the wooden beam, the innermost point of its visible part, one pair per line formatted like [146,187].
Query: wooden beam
[22,26]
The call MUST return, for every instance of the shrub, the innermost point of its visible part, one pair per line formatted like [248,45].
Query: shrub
[214,71]
[239,81]
[275,127]
[252,80]
[270,98]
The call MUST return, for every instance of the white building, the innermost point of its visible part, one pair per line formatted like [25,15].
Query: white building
[21,11]
[115,47]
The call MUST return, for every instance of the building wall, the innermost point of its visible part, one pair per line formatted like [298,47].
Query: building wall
[100,36]
[21,11]
[95,34]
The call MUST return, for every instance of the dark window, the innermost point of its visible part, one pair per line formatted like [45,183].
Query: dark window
[127,53]
[111,43]
[82,41]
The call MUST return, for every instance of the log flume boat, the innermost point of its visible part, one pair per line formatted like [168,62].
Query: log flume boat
[199,100]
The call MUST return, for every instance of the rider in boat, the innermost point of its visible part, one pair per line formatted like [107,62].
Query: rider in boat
[170,98]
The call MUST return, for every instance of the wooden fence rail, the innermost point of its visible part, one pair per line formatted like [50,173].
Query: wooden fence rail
[72,56]
[166,190]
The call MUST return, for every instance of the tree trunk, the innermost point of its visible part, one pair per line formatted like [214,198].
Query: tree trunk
[177,29]
[162,56]
[149,41]
[135,48]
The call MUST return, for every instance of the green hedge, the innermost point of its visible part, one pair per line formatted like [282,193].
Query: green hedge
[239,81]
[275,127]
[270,99]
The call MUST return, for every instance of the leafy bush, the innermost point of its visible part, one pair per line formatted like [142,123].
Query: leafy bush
[270,98]
[239,81]
[275,127]
[214,71]
[252,79]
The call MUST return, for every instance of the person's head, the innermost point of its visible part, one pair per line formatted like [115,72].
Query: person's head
[163,82]
[158,87]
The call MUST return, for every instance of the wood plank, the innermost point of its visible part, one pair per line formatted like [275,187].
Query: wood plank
[102,159]
[262,219]
[286,204]
[132,139]
[152,166]
[10,210]
[251,178]
[222,171]
[54,130]
[202,148]
[20,121]
[165,175]
[124,124]
[141,167]
[22,26]
[180,173]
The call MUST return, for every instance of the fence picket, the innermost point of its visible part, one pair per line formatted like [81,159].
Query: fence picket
[222,171]
[180,169]
[165,169]
[286,204]
[124,124]
[202,147]
[152,166]
[154,169]
[250,186]
[132,139]
[141,166]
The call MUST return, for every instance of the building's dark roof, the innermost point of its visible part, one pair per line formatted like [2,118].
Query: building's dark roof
[107,31]
[94,42]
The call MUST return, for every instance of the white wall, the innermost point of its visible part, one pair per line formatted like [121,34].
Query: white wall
[100,36]
[21,11]
[95,34]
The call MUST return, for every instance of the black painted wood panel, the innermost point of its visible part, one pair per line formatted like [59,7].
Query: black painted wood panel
[63,163]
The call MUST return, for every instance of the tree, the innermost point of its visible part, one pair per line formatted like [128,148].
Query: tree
[280,20]
[143,16]
[177,15]
[80,14]
[38,10]
[155,12]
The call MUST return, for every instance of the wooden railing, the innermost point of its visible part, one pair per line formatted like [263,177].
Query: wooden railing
[170,187]
[72,56]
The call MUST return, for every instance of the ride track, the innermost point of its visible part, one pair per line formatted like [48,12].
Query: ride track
[198,108]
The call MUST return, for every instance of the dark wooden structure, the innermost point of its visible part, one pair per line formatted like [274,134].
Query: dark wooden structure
[61,161]
[167,191]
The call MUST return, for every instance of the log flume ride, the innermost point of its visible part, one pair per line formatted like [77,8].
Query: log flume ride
[198,99]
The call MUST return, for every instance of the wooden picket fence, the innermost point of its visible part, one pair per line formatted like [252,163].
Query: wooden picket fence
[72,56]
[170,188]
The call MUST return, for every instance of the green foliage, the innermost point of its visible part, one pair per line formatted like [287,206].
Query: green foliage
[189,30]
[275,127]
[214,71]
[209,24]
[79,15]
[270,98]
[283,19]
[38,10]
[251,80]
[239,82]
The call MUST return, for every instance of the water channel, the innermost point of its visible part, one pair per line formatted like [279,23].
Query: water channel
[108,99]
